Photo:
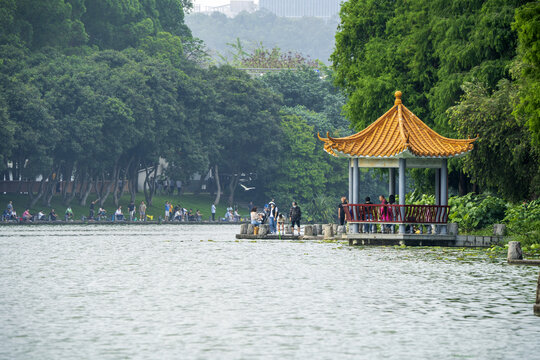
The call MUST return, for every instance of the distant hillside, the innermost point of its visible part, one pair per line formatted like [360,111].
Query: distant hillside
[309,36]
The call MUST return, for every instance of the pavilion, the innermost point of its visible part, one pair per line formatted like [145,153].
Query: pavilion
[398,140]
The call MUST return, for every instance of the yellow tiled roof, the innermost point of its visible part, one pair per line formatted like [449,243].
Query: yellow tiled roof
[398,133]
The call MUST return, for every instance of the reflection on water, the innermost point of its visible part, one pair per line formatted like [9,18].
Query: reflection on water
[169,292]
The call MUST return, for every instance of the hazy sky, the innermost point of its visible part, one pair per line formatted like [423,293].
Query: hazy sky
[214,2]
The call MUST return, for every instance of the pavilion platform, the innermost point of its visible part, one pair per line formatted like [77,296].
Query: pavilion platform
[423,240]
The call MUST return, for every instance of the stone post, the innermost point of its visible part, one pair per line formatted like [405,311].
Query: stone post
[499,229]
[341,230]
[328,231]
[288,230]
[315,230]
[453,229]
[319,229]
[250,229]
[308,230]
[514,251]
[264,229]
[243,229]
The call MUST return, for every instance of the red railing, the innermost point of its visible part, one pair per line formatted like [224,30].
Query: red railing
[397,214]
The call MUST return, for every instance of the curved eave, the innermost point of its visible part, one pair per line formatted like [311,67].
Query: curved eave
[405,154]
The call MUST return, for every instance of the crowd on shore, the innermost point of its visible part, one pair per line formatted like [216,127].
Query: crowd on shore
[173,213]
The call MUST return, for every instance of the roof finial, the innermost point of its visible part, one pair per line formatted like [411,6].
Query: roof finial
[398,98]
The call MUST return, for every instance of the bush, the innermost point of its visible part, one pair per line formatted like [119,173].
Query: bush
[473,212]
[321,209]
[523,222]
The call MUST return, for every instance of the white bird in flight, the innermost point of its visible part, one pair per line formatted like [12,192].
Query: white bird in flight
[247,188]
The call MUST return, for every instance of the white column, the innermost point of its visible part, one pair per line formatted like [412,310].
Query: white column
[437,196]
[402,167]
[355,189]
[350,181]
[444,189]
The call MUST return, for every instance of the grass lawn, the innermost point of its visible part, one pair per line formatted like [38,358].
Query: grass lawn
[203,202]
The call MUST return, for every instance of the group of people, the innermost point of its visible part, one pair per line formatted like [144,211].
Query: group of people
[179,213]
[384,213]
[10,214]
[276,220]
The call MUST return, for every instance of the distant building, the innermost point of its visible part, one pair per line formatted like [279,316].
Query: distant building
[300,8]
[233,8]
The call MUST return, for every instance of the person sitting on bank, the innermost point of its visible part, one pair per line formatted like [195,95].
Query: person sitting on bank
[118,215]
[255,217]
[102,213]
[41,215]
[26,216]
[52,215]
[69,214]
[198,215]
[178,215]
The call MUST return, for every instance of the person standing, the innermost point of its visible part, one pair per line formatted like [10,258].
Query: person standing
[341,210]
[383,212]
[142,211]
[213,212]
[167,210]
[295,215]
[131,209]
[92,206]
[368,216]
[272,217]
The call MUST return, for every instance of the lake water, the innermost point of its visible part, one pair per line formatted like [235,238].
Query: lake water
[194,292]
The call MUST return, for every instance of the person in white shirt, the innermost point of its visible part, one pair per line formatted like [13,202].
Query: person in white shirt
[118,213]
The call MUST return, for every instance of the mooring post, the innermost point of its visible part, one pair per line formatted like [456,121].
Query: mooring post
[514,251]
[537,305]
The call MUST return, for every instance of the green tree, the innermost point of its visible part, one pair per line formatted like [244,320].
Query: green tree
[503,156]
[301,174]
[526,25]
[245,127]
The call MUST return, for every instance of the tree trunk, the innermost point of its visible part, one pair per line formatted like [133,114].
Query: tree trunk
[218,185]
[34,199]
[68,171]
[73,192]
[133,180]
[149,186]
[116,179]
[462,186]
[110,187]
[85,195]
[232,187]
[125,179]
[52,188]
